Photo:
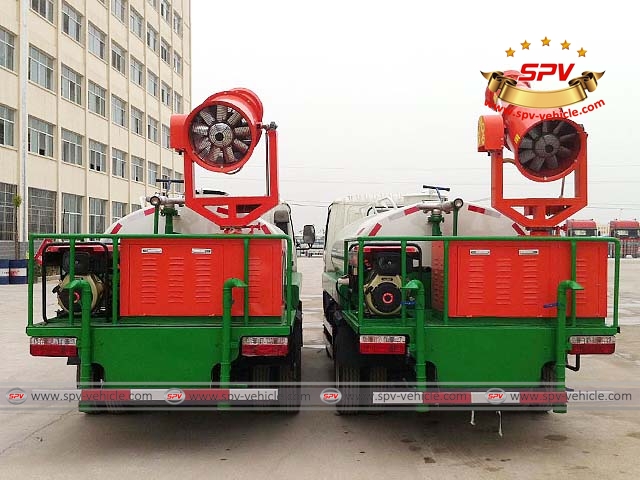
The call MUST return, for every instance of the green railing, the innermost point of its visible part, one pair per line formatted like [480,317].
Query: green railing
[73,239]
[403,240]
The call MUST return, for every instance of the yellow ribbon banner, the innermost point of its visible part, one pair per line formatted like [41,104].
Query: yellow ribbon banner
[576,92]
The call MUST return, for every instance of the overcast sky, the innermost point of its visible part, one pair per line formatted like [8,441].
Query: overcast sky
[374,96]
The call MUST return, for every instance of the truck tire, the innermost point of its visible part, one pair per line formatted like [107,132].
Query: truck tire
[261,378]
[347,373]
[288,389]
[97,407]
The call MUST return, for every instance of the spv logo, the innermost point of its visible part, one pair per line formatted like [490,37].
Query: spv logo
[495,395]
[331,395]
[16,396]
[513,85]
[174,396]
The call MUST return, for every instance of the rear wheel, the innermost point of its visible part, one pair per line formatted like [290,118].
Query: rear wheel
[348,383]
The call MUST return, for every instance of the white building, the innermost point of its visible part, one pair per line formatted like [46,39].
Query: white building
[103,78]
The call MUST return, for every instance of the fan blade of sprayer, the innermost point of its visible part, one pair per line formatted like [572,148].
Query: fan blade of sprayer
[546,127]
[556,130]
[206,116]
[526,156]
[526,143]
[552,162]
[567,138]
[202,144]
[240,146]
[229,157]
[534,133]
[234,118]
[564,152]
[536,165]
[200,129]
[221,113]
[216,155]
[242,132]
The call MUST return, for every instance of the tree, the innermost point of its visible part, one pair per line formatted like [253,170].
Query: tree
[17,201]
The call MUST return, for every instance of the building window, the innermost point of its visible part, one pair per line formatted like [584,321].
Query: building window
[40,68]
[152,38]
[71,85]
[165,11]
[177,103]
[136,24]
[135,207]
[118,58]
[71,213]
[97,215]
[43,8]
[7,125]
[119,9]
[137,123]
[97,41]
[71,147]
[165,51]
[137,169]
[118,111]
[152,83]
[137,72]
[40,137]
[7,210]
[118,210]
[97,99]
[7,49]
[177,23]
[153,3]
[152,173]
[166,137]
[177,63]
[118,163]
[71,22]
[97,156]
[179,187]
[165,94]
[166,173]
[42,210]
[152,129]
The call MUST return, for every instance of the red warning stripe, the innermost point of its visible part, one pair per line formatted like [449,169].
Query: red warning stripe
[473,208]
[411,210]
[375,230]
[117,228]
[149,211]
[518,229]
[265,229]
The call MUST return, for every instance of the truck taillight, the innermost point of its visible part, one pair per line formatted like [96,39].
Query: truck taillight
[382,345]
[265,346]
[592,344]
[53,347]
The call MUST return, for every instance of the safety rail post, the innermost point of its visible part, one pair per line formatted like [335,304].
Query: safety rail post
[227,302]
[30,273]
[561,334]
[616,281]
[360,282]
[403,275]
[72,275]
[421,367]
[445,283]
[289,274]
[85,327]
[246,281]
[574,277]
[115,278]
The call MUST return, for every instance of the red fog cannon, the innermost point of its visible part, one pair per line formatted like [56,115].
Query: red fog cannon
[220,136]
[546,147]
